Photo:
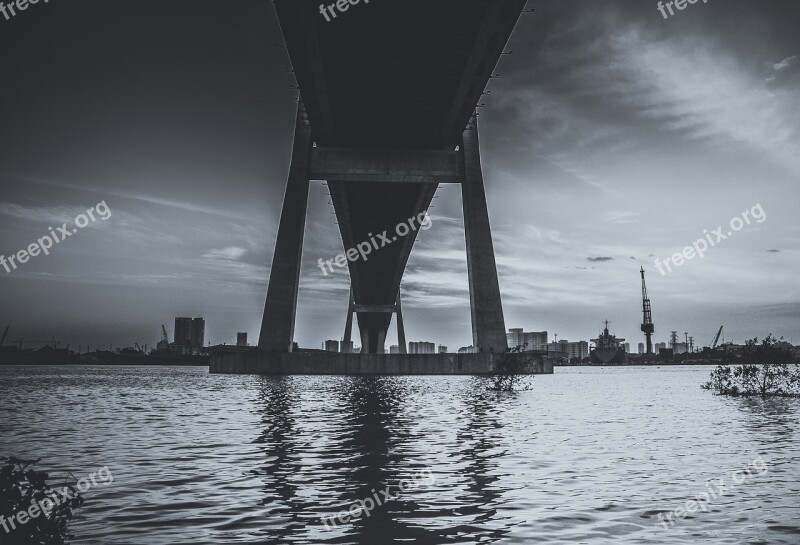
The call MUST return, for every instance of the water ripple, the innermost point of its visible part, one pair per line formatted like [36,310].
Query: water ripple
[589,455]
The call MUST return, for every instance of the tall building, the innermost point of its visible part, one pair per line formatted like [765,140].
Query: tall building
[442,349]
[198,338]
[394,349]
[514,337]
[531,340]
[331,346]
[641,348]
[190,334]
[241,339]
[347,347]
[421,347]
[627,348]
[183,331]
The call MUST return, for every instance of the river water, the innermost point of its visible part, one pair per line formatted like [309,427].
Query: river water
[587,455]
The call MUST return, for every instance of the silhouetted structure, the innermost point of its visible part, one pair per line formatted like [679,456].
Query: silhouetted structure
[647,319]
[383,141]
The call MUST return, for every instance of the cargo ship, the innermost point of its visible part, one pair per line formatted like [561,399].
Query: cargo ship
[608,349]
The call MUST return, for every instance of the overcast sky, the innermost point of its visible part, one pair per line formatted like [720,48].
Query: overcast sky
[613,137]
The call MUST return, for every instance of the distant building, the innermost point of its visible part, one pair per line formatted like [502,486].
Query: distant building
[183,331]
[421,347]
[394,349]
[347,347]
[241,339]
[659,347]
[189,335]
[532,340]
[467,350]
[559,351]
[442,349]
[331,346]
[198,339]
[641,348]
[627,348]
[514,337]
[578,349]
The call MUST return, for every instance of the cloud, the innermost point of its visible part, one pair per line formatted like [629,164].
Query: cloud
[40,214]
[232,253]
[679,84]
[786,63]
[773,251]
[786,75]
[621,217]
[599,259]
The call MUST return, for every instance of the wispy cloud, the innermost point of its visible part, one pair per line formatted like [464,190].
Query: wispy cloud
[232,253]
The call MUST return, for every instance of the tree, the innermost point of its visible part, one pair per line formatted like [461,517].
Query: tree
[24,490]
[765,372]
[512,371]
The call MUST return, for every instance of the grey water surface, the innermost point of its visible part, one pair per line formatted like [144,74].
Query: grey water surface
[587,455]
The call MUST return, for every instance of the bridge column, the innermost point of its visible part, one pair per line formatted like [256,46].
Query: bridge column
[488,325]
[401,329]
[348,325]
[277,326]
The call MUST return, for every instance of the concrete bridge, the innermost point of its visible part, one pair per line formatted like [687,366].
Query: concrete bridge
[388,92]
[387,112]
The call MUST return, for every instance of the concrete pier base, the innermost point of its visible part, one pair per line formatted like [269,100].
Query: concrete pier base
[233,360]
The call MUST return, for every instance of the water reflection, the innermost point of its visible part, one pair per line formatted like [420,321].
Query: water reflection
[772,421]
[278,441]
[359,438]
[482,455]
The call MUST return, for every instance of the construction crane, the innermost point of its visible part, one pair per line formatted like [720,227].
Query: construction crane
[647,318]
[5,334]
[716,339]
[163,344]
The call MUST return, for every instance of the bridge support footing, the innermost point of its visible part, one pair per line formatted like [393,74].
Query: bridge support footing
[233,360]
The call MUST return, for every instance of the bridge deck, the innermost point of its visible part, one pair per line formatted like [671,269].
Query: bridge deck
[395,73]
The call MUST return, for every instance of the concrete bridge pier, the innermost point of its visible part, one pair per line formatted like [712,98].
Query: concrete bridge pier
[427,166]
[488,324]
[277,325]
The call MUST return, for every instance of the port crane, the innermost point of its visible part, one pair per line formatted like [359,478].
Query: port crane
[647,318]
[716,339]
[164,336]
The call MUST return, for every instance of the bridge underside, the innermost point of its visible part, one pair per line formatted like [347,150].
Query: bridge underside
[388,93]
